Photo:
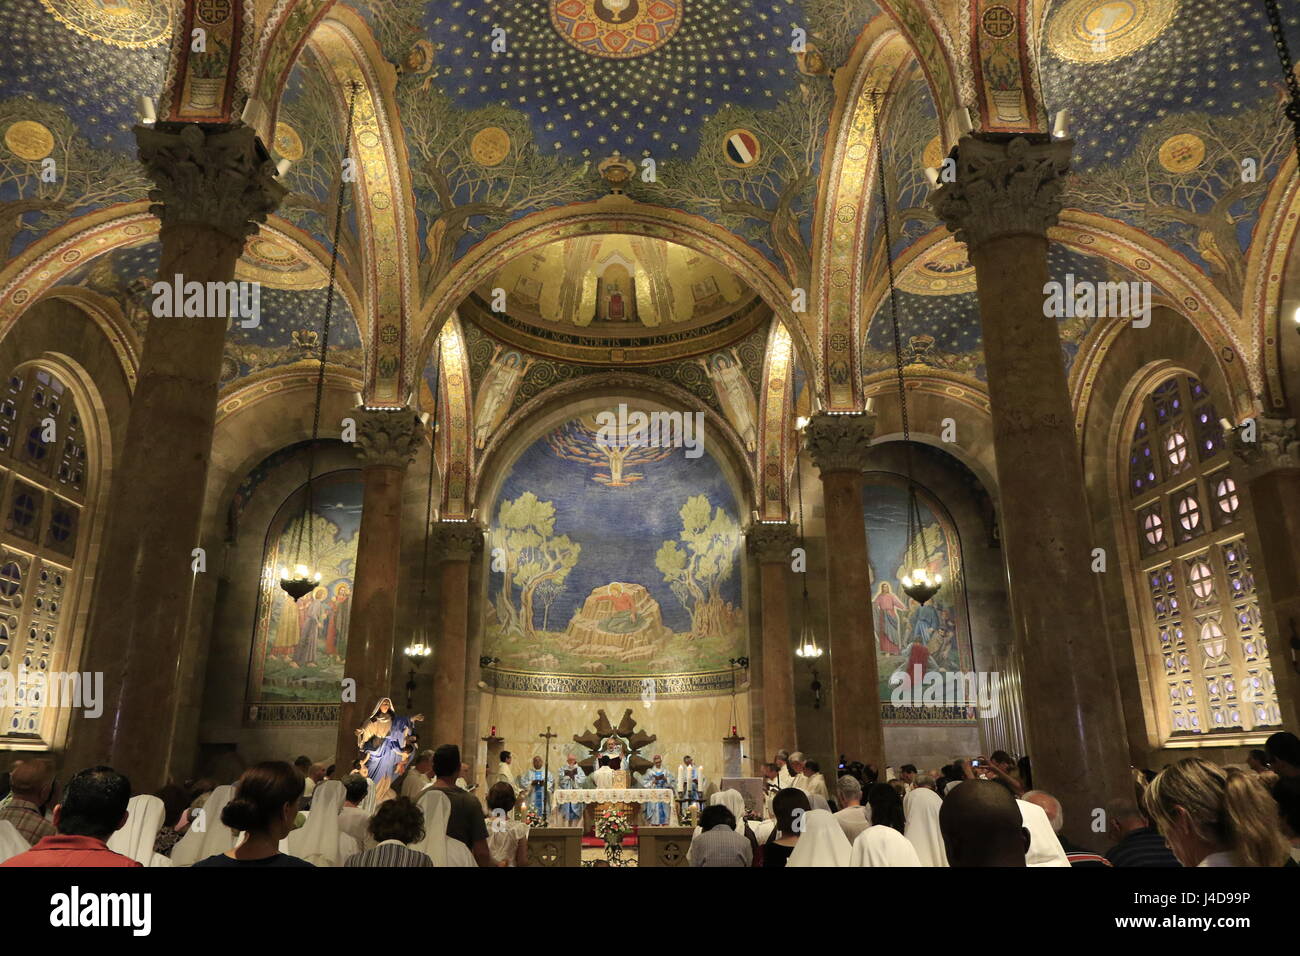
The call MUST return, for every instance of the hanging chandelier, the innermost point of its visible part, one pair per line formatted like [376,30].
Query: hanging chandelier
[920,582]
[807,648]
[300,578]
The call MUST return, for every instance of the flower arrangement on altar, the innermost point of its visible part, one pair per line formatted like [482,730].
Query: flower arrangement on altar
[612,825]
[687,815]
[531,817]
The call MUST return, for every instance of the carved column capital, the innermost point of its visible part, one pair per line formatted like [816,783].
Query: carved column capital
[388,437]
[1276,445]
[772,543]
[1003,188]
[455,540]
[222,179]
[840,442]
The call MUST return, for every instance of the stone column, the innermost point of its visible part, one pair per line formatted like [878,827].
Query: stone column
[1270,467]
[455,542]
[387,441]
[1006,195]
[212,188]
[839,445]
[772,544]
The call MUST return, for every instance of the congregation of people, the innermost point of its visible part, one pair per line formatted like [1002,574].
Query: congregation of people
[980,812]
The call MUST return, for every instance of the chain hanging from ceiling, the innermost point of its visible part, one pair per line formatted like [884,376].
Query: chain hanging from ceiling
[301,577]
[919,583]
[1276,27]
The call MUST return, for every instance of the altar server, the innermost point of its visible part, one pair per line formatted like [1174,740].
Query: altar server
[690,782]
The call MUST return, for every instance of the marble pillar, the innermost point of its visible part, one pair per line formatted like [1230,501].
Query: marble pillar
[839,446]
[772,545]
[1006,195]
[1270,468]
[212,188]
[454,543]
[387,442]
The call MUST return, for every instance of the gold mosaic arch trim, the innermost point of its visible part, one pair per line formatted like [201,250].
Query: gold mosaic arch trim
[774,425]
[1197,298]
[612,382]
[703,684]
[261,386]
[49,260]
[135,26]
[1261,306]
[617,215]
[386,217]
[1004,66]
[842,224]
[212,86]
[110,321]
[927,34]
[279,44]
[456,404]
[933,381]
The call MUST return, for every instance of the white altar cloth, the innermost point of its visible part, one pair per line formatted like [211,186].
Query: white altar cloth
[614,795]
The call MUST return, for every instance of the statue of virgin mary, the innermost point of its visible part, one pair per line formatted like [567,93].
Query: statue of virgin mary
[381,740]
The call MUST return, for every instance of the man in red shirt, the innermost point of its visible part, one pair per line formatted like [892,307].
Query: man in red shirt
[93,808]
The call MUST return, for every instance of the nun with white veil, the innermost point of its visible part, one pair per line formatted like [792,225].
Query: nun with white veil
[144,819]
[441,849]
[821,842]
[11,841]
[207,835]
[883,846]
[320,841]
[921,808]
[1044,847]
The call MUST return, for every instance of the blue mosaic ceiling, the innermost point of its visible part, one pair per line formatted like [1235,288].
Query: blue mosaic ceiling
[588,104]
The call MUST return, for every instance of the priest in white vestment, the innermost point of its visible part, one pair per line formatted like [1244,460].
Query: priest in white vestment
[656,778]
[784,775]
[571,778]
[690,782]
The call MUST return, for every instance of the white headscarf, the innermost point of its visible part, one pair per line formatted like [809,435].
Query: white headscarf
[821,842]
[1044,847]
[921,808]
[145,814]
[320,841]
[734,801]
[214,838]
[442,849]
[817,802]
[883,846]
[11,841]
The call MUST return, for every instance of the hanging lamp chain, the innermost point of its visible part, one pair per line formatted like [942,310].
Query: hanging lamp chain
[325,339]
[1289,77]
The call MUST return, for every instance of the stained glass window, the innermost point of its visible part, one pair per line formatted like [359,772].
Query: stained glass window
[1190,526]
[43,467]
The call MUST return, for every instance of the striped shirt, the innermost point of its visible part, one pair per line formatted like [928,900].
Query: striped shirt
[1142,847]
[721,846]
[389,853]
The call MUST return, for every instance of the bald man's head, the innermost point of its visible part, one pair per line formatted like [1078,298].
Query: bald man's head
[1050,805]
[981,826]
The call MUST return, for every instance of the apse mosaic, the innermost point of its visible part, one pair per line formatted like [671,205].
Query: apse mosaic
[614,562]
[299,647]
[935,636]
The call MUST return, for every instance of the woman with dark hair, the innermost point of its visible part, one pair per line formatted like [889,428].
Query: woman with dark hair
[789,807]
[507,839]
[885,806]
[264,806]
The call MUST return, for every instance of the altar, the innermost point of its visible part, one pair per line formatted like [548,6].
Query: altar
[624,797]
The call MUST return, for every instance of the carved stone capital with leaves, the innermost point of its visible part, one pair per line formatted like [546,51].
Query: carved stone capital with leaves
[388,437]
[223,179]
[1275,446]
[1003,188]
[455,540]
[772,543]
[840,442]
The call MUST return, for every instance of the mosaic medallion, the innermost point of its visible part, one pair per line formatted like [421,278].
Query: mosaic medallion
[29,140]
[1182,153]
[287,142]
[616,29]
[490,146]
[943,270]
[1095,31]
[124,23]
